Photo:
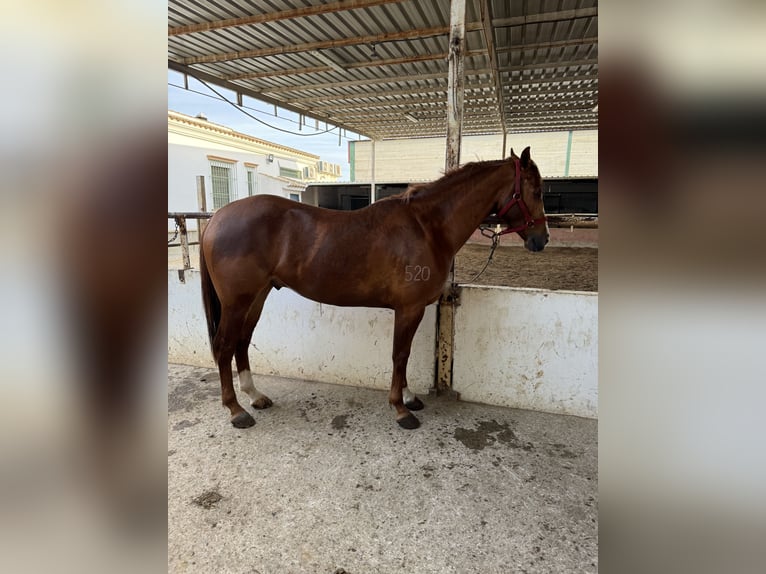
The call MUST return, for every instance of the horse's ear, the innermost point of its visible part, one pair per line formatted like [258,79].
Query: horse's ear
[525,157]
[513,155]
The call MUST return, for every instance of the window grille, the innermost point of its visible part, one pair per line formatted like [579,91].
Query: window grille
[223,183]
[288,172]
[252,182]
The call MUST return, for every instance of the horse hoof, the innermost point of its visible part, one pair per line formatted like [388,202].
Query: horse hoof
[242,420]
[409,422]
[415,405]
[262,403]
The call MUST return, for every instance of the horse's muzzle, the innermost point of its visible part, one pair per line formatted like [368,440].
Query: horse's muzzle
[536,242]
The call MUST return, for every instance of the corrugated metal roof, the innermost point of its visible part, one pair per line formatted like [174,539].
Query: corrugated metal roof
[379,67]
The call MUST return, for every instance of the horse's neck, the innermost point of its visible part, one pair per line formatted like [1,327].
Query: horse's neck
[457,210]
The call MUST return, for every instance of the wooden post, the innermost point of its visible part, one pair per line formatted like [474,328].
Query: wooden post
[181,221]
[455,83]
[202,203]
[445,323]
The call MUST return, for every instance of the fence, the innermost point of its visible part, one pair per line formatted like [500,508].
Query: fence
[524,348]
[182,232]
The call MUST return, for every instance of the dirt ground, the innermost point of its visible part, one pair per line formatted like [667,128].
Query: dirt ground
[568,268]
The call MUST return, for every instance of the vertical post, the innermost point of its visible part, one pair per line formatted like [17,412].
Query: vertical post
[202,203]
[445,325]
[372,176]
[455,83]
[181,221]
[505,141]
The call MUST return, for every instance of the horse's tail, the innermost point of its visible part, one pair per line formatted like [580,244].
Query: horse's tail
[210,300]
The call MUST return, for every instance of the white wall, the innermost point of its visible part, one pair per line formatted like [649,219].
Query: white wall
[523,348]
[528,348]
[302,339]
[404,160]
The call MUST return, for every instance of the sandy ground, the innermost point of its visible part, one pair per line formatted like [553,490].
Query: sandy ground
[570,268]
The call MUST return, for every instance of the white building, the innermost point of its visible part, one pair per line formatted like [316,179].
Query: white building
[567,154]
[234,165]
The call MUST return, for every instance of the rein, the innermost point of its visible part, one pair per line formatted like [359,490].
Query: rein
[529,221]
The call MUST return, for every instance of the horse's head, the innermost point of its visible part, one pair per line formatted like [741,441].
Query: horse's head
[523,210]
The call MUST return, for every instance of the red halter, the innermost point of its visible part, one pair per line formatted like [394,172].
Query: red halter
[529,221]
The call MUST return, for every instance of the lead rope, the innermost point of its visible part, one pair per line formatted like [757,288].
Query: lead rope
[495,237]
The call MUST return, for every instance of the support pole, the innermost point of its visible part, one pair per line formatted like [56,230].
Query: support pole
[202,204]
[455,83]
[445,324]
[372,175]
[181,222]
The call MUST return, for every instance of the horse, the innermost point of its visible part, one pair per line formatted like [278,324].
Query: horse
[395,253]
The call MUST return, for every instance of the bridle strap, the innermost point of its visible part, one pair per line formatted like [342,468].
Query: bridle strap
[516,198]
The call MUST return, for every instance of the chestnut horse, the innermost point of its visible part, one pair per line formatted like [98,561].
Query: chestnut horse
[395,254]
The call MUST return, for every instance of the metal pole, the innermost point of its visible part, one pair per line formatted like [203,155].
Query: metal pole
[372,176]
[445,326]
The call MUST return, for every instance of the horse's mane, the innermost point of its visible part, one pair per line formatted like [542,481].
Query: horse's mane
[407,195]
[417,190]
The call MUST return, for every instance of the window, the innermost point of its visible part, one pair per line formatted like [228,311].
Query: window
[252,181]
[288,172]
[295,197]
[223,182]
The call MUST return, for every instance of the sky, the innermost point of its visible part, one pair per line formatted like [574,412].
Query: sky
[199,99]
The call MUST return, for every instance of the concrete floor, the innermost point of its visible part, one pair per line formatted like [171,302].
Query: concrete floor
[326,482]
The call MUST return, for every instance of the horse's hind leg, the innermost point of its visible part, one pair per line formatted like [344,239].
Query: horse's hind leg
[257,399]
[224,345]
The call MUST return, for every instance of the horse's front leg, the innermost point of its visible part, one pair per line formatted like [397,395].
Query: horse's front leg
[405,324]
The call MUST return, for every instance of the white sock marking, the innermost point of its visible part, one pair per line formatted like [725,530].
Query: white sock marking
[247,386]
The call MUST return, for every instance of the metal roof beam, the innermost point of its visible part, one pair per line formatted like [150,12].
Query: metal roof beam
[419,102]
[489,41]
[306,47]
[352,66]
[342,5]
[554,64]
[544,17]
[352,83]
[559,44]
[378,94]
[535,93]
[555,80]
[575,108]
